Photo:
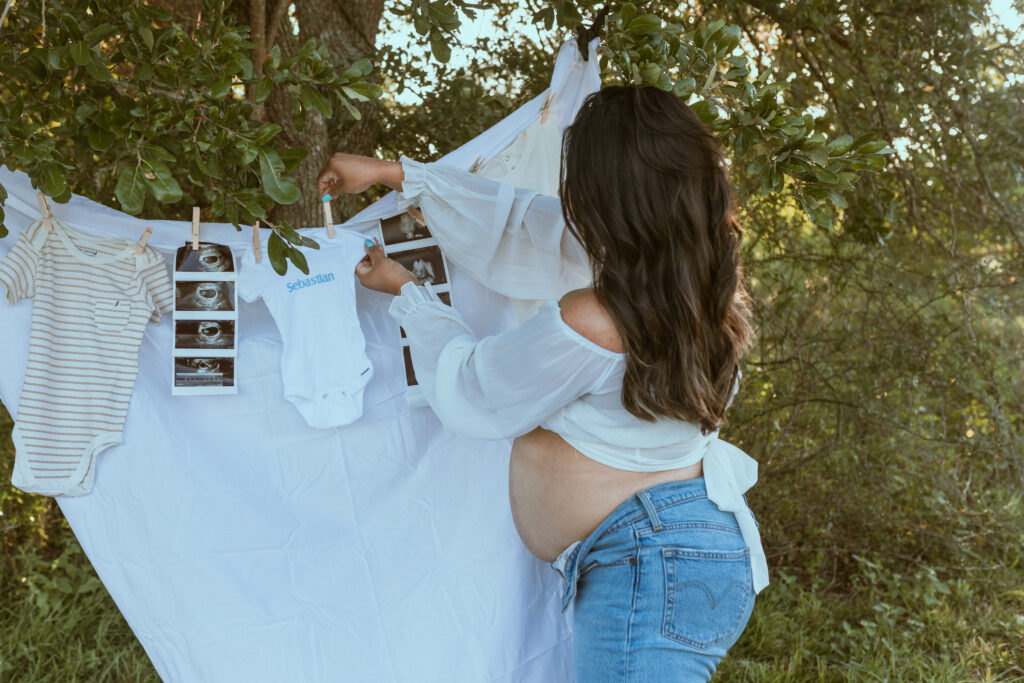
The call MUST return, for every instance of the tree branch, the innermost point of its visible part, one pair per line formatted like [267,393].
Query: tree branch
[276,19]
[258,35]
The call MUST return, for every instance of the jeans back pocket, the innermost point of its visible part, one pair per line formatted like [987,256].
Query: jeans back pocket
[708,595]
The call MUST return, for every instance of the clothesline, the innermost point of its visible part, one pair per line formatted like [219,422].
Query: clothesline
[242,544]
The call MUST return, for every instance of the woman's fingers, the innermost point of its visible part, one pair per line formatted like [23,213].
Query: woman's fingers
[348,173]
[335,189]
[327,181]
[374,256]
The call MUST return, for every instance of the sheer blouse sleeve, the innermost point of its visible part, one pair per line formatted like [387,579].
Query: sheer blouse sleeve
[511,239]
[503,385]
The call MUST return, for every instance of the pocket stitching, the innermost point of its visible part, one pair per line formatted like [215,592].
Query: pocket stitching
[669,573]
[124,307]
[712,526]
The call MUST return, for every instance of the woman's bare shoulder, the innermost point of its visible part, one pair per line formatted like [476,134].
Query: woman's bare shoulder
[584,313]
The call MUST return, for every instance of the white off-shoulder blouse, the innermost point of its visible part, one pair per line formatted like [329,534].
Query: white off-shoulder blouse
[543,373]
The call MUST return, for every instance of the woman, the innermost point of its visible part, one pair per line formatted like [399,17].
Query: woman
[614,392]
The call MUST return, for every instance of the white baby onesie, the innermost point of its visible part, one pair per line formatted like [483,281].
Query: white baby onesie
[532,160]
[324,366]
[92,299]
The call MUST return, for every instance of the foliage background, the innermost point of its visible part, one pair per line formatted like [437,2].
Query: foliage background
[883,398]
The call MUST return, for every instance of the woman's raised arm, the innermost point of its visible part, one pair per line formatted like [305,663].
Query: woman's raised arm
[511,239]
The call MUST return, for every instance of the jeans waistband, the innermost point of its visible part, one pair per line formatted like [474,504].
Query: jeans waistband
[642,504]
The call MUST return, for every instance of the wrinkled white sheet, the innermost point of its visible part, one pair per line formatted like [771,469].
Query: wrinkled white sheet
[243,545]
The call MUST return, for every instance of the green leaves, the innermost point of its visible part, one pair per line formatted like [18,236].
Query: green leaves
[646,24]
[439,46]
[298,259]
[706,111]
[173,129]
[261,91]
[52,181]
[276,251]
[130,190]
[280,252]
[363,91]
[774,145]
[442,14]
[281,189]
[100,138]
[312,99]
[160,181]
[840,145]
[80,53]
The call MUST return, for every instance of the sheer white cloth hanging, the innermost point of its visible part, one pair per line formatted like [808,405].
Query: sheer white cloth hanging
[243,545]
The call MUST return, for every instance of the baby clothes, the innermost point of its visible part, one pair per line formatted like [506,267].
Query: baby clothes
[532,161]
[324,366]
[92,299]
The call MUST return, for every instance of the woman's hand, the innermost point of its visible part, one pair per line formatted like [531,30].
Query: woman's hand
[349,173]
[377,271]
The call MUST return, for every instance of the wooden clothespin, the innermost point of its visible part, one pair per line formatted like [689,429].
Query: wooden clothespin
[546,106]
[328,218]
[195,228]
[476,165]
[256,242]
[45,211]
[417,214]
[142,240]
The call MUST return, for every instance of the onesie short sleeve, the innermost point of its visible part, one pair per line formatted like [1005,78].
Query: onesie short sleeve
[18,268]
[156,285]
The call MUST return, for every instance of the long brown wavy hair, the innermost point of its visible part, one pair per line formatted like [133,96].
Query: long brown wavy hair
[646,191]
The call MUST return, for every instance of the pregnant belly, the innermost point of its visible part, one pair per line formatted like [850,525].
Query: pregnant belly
[559,496]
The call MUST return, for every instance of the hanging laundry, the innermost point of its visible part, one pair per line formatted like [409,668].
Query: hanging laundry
[242,544]
[532,160]
[323,362]
[92,299]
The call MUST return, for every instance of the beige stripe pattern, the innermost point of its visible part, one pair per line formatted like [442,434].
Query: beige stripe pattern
[92,299]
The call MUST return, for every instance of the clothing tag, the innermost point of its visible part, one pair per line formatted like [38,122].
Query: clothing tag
[88,251]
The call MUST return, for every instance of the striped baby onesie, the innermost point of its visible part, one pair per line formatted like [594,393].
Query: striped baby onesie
[92,299]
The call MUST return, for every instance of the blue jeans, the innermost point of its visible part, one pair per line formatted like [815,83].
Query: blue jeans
[662,588]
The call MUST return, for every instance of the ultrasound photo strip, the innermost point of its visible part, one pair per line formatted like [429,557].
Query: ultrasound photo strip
[414,396]
[407,239]
[403,230]
[205,317]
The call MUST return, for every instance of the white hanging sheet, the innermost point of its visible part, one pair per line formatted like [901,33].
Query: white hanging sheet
[242,544]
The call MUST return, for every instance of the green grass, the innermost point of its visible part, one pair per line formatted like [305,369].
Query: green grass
[57,621]
[827,617]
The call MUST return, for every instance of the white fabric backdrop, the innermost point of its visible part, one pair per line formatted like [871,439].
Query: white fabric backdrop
[243,545]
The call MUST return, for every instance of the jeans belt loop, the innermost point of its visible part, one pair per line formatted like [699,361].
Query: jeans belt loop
[645,500]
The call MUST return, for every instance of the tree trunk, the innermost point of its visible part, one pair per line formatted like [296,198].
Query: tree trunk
[348,28]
